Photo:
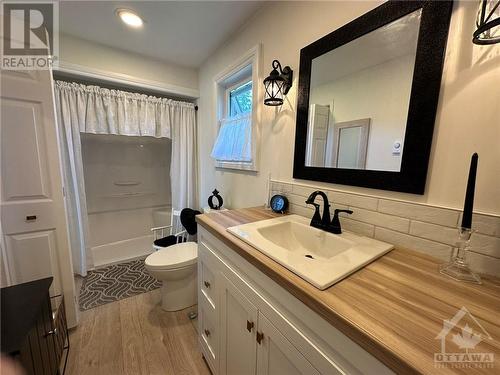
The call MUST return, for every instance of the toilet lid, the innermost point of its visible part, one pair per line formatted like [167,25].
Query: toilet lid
[175,256]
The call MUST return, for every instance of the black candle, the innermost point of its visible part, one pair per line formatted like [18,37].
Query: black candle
[469,194]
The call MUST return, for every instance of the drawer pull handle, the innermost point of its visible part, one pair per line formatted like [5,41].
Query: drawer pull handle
[207,284]
[249,326]
[260,337]
[53,332]
[207,332]
[31,218]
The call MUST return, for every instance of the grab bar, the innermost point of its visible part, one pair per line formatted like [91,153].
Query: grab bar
[127,183]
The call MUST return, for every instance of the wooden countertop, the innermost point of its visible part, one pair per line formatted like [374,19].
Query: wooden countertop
[394,307]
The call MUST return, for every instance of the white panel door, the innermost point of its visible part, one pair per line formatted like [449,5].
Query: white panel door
[238,327]
[317,135]
[276,355]
[32,214]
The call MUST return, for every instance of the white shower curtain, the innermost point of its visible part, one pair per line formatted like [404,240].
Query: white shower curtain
[183,167]
[92,109]
[70,114]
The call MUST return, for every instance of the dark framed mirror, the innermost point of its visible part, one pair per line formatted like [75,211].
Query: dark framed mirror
[367,98]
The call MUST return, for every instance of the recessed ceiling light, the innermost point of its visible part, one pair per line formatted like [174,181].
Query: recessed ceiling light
[129,17]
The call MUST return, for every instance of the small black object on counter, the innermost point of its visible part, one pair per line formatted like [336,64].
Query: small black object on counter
[220,201]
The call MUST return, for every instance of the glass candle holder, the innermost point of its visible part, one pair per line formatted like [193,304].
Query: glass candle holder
[458,268]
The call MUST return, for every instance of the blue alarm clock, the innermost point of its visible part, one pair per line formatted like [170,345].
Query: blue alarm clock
[279,203]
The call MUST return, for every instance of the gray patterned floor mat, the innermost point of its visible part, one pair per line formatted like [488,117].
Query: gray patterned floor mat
[115,282]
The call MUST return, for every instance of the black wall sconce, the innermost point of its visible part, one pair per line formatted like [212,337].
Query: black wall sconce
[277,84]
[488,23]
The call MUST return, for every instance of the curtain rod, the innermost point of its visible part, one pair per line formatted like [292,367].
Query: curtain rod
[111,86]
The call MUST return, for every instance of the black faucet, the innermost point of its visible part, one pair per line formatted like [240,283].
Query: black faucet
[323,221]
[320,221]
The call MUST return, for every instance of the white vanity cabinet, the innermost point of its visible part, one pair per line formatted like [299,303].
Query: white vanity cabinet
[249,325]
[238,325]
[249,343]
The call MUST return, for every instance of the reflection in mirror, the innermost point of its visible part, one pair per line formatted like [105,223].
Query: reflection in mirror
[351,139]
[359,98]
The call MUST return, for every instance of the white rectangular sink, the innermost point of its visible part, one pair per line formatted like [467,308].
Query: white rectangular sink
[319,257]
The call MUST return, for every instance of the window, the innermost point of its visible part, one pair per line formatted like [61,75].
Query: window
[236,144]
[234,141]
[240,99]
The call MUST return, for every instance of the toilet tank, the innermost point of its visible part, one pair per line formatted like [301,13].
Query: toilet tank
[161,217]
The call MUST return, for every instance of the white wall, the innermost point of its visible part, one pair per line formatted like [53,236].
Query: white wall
[121,212]
[381,93]
[468,116]
[98,57]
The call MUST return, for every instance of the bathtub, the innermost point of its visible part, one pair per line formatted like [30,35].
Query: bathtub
[121,251]
[120,236]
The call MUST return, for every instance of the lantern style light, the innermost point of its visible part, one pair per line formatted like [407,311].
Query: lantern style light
[487,23]
[277,84]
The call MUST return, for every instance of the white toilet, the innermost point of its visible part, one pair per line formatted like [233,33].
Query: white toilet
[176,267]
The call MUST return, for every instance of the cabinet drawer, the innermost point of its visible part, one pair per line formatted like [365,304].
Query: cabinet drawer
[207,281]
[206,274]
[208,335]
[206,306]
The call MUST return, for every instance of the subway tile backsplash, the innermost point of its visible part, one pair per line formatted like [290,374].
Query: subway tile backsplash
[421,227]
[379,219]
[419,212]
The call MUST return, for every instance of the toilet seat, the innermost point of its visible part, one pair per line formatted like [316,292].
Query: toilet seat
[173,257]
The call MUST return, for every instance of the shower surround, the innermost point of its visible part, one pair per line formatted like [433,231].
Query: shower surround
[127,180]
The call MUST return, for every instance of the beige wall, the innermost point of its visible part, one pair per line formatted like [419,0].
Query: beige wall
[468,116]
[96,56]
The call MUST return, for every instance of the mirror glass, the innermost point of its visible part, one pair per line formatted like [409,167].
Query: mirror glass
[359,98]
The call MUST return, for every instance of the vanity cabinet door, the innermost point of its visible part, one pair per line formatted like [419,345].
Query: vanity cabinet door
[276,355]
[238,326]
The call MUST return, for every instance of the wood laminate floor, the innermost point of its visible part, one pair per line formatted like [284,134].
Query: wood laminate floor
[135,336]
